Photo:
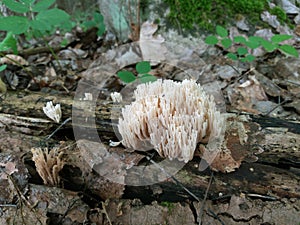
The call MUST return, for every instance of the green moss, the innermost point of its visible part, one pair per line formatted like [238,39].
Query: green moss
[281,15]
[169,205]
[208,13]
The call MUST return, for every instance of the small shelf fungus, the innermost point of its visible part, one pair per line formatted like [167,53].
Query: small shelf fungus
[170,117]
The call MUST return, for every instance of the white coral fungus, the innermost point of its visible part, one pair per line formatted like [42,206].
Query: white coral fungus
[53,112]
[116,97]
[171,117]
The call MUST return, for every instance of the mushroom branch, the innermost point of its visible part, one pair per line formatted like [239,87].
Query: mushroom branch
[171,117]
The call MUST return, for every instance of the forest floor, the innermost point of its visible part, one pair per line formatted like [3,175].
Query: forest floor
[64,178]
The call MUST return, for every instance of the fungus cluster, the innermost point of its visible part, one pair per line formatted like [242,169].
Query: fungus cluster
[171,117]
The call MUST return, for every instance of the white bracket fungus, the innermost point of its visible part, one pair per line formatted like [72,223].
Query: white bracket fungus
[171,117]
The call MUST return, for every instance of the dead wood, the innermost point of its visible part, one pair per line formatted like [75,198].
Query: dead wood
[267,148]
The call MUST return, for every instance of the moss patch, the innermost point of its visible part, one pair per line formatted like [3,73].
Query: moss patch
[206,14]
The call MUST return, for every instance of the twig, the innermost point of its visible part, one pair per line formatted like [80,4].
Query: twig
[104,204]
[281,103]
[8,205]
[216,216]
[205,197]
[57,129]
[138,19]
[22,199]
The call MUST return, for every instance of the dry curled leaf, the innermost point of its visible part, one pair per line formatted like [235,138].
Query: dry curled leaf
[151,46]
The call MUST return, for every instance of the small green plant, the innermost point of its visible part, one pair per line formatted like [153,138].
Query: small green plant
[6,44]
[143,68]
[245,45]
[34,18]
[9,42]
[96,21]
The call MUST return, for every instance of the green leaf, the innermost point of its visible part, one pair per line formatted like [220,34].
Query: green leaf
[14,24]
[250,58]
[256,39]
[28,2]
[239,39]
[253,42]
[101,30]
[19,7]
[53,16]
[268,46]
[3,67]
[242,51]
[88,24]
[42,5]
[126,76]
[143,67]
[281,37]
[9,42]
[290,50]
[232,56]
[147,78]
[243,59]
[211,40]
[221,31]
[40,25]
[226,42]
[98,18]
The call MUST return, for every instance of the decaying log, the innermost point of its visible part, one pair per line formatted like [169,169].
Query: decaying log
[270,155]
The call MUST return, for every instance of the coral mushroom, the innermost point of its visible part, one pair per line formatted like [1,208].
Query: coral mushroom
[171,117]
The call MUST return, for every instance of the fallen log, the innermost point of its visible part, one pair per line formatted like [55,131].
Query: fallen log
[267,148]
[269,157]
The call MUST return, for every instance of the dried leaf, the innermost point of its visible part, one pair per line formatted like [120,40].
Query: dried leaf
[151,46]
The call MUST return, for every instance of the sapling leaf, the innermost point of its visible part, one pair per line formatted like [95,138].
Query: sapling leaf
[126,76]
[221,31]
[98,18]
[232,56]
[250,58]
[143,67]
[253,42]
[243,59]
[42,5]
[2,67]
[9,42]
[280,37]
[15,6]
[268,46]
[256,39]
[88,24]
[290,50]
[211,40]
[14,24]
[28,2]
[226,42]
[40,25]
[53,16]
[101,30]
[147,78]
[239,39]
[242,51]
